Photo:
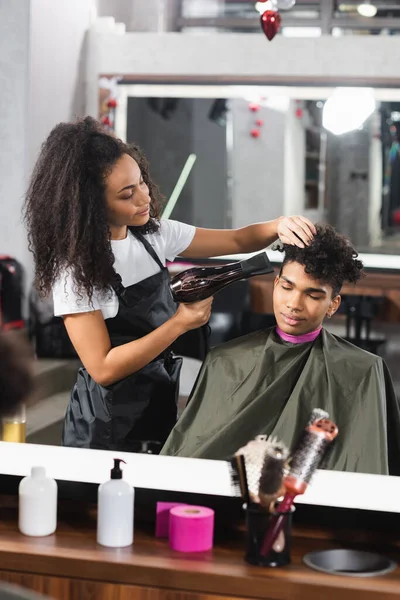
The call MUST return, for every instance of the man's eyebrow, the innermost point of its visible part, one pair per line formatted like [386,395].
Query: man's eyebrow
[315,290]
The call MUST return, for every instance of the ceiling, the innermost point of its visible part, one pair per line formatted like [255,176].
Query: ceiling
[327,15]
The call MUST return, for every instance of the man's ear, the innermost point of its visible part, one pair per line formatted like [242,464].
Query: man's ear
[334,305]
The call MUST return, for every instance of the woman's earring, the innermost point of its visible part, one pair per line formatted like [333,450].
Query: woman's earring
[329,315]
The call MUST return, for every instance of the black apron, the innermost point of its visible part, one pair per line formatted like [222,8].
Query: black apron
[137,413]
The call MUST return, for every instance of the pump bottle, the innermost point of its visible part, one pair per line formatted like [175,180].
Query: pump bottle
[115,510]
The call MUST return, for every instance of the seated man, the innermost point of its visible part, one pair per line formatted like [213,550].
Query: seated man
[269,381]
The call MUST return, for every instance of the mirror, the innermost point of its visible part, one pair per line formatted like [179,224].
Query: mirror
[242,135]
[261,152]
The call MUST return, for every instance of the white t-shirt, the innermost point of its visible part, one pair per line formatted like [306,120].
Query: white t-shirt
[132,262]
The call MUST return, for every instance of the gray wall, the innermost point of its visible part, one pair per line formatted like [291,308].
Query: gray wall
[257,164]
[348,184]
[41,77]
[14,124]
[210,170]
[167,144]
[57,65]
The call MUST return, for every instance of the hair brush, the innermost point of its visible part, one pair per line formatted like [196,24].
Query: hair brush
[272,472]
[305,460]
[239,477]
[249,462]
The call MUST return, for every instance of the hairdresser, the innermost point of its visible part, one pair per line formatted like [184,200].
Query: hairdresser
[100,247]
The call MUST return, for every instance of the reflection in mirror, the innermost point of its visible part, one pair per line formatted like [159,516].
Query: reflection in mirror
[259,155]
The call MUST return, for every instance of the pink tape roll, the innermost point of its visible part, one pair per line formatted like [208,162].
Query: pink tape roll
[191,528]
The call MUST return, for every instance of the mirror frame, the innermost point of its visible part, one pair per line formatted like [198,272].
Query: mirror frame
[193,476]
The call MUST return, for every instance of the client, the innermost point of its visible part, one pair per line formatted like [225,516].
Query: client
[269,381]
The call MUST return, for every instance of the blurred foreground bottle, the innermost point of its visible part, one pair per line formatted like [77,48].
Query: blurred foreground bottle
[14,426]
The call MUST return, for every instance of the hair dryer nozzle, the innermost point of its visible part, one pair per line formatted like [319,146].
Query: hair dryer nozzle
[257,265]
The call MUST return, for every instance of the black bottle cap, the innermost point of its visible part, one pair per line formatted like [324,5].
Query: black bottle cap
[116,472]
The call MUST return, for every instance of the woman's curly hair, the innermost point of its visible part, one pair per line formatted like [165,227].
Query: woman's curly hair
[65,207]
[16,372]
[329,258]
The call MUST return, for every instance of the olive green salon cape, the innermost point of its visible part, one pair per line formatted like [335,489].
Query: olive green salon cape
[259,384]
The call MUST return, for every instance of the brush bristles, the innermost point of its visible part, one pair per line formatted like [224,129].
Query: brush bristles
[272,472]
[308,455]
[316,414]
[253,454]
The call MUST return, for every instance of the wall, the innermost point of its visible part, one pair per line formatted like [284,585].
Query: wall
[57,65]
[349,156]
[168,143]
[14,81]
[41,68]
[257,164]
[42,83]
[121,10]
[295,162]
[210,169]
[328,60]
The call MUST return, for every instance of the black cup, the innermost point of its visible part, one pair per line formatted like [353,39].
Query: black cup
[257,521]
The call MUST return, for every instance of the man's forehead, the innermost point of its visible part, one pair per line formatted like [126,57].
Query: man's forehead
[295,273]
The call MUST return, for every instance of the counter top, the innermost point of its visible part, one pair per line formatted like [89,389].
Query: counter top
[72,553]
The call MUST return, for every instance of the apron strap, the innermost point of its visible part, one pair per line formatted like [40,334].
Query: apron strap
[117,285]
[148,247]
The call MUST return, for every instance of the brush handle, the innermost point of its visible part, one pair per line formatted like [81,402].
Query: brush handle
[276,523]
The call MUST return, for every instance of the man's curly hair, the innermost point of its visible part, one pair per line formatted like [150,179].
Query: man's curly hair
[65,207]
[329,258]
[16,375]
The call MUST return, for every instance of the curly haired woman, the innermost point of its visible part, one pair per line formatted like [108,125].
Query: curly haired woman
[100,247]
[269,382]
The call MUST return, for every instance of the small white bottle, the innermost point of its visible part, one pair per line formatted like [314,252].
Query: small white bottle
[37,514]
[115,510]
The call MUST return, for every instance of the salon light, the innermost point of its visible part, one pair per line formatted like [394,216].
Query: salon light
[366,9]
[261,7]
[347,109]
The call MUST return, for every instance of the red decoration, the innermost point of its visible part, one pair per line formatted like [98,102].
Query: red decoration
[299,113]
[254,107]
[270,23]
[259,122]
[106,121]
[112,103]
[255,133]
[396,217]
